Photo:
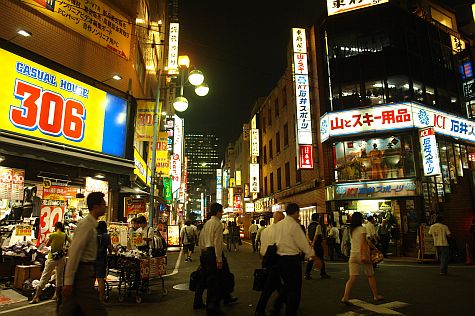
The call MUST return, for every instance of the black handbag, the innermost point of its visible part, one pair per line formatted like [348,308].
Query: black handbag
[270,258]
[57,255]
[194,279]
[260,278]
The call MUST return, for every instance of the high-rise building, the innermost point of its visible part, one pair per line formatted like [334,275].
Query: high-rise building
[203,160]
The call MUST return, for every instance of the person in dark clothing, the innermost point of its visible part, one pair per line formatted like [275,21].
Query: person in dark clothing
[383,233]
[315,236]
[103,246]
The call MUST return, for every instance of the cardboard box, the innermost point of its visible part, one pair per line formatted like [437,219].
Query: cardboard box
[25,272]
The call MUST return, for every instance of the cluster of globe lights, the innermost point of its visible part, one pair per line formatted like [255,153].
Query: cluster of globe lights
[196,78]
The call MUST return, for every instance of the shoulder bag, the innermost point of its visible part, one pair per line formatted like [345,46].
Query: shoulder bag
[375,254]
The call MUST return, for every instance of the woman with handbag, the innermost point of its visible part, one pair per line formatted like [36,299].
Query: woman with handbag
[55,260]
[359,256]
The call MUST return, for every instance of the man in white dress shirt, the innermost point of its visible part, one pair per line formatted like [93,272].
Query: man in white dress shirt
[79,278]
[215,264]
[291,241]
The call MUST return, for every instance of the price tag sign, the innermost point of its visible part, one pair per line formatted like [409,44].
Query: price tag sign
[115,240]
[23,230]
[136,239]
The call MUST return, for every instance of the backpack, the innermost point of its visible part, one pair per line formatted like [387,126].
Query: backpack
[311,229]
[157,245]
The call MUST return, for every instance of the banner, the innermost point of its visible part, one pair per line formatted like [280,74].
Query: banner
[92,19]
[12,183]
[52,209]
[134,206]
[144,120]
[162,159]
[41,103]
[141,169]
[167,190]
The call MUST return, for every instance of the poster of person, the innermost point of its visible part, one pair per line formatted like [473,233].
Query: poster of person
[374,159]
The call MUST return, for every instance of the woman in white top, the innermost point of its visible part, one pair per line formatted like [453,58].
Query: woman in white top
[359,256]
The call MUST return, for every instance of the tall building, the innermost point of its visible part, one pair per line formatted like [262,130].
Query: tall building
[203,160]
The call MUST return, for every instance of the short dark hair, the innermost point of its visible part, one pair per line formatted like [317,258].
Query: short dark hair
[292,208]
[315,217]
[134,220]
[215,208]
[188,223]
[252,222]
[59,226]
[101,227]
[370,218]
[262,222]
[94,198]
[141,220]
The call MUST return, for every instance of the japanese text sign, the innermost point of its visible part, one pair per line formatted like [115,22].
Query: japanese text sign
[341,6]
[162,158]
[254,142]
[372,189]
[12,182]
[305,157]
[254,177]
[92,19]
[429,152]
[219,185]
[144,120]
[173,48]
[23,230]
[140,166]
[177,154]
[41,103]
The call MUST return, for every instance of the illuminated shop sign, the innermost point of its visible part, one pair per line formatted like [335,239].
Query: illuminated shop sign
[458,44]
[254,142]
[219,185]
[249,207]
[429,152]
[395,117]
[305,157]
[141,169]
[238,178]
[92,19]
[176,158]
[342,6]
[45,104]
[173,48]
[373,189]
[254,177]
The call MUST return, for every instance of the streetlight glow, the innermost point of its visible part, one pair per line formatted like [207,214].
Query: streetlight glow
[202,90]
[196,77]
[184,60]
[180,104]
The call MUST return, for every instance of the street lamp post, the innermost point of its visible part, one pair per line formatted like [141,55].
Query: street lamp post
[156,114]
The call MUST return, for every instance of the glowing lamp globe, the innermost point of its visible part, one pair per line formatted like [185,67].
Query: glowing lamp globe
[202,90]
[180,104]
[196,77]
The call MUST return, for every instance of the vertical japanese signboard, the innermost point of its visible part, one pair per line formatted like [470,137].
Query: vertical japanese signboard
[167,190]
[144,120]
[429,152]
[162,159]
[255,142]
[177,154]
[219,186]
[92,19]
[305,157]
[173,48]
[254,176]
[302,95]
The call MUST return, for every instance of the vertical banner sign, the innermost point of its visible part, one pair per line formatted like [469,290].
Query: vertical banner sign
[429,152]
[162,159]
[52,208]
[302,94]
[92,19]
[254,176]
[219,186]
[254,142]
[305,156]
[177,154]
[245,132]
[167,190]
[173,48]
[144,120]
[238,202]
[238,178]
[12,183]
[140,167]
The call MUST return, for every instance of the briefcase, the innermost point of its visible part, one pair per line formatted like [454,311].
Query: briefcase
[260,278]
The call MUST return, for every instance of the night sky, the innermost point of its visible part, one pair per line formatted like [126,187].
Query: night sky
[241,48]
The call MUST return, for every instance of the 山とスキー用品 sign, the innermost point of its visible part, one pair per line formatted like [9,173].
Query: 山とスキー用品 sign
[42,103]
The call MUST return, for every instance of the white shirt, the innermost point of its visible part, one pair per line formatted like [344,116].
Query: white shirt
[188,231]
[83,247]
[212,236]
[370,230]
[335,234]
[267,238]
[439,232]
[290,238]
[355,239]
[146,233]
[253,229]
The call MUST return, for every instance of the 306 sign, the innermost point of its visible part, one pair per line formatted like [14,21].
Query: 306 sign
[47,111]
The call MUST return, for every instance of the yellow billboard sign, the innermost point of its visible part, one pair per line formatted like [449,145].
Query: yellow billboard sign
[342,6]
[38,102]
[93,19]
[144,120]
[162,160]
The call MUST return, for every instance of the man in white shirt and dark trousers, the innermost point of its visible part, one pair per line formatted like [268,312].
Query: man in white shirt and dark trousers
[252,234]
[440,232]
[218,281]
[291,242]
[79,278]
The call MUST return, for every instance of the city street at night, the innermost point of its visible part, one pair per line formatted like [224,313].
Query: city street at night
[409,288]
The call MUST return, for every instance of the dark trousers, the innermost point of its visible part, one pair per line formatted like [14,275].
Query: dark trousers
[384,243]
[290,270]
[444,253]
[319,253]
[84,297]
[253,240]
[215,279]
[201,286]
[332,248]
[273,283]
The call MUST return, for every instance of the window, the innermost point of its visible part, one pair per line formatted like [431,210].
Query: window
[279,179]
[265,185]
[271,151]
[286,134]
[287,175]
[265,154]
[441,17]
[271,183]
[277,143]
[276,107]
[284,96]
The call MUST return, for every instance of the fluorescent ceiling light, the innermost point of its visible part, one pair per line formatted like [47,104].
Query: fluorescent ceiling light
[24,33]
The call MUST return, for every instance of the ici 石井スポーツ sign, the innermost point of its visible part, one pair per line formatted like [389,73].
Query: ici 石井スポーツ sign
[44,104]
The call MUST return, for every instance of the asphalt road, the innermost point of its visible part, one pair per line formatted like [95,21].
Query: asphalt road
[409,288]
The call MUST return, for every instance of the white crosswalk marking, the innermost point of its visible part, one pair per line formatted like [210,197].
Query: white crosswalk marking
[384,309]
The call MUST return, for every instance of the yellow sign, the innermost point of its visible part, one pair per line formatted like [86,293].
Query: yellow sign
[140,169]
[23,230]
[144,121]
[136,239]
[92,19]
[162,160]
[38,102]
[115,240]
[458,44]
[340,6]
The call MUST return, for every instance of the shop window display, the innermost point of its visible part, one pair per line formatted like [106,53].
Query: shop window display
[374,159]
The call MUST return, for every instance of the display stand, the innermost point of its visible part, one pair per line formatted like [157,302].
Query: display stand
[427,251]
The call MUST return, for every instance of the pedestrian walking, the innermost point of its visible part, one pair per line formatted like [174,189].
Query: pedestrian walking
[359,257]
[262,225]
[235,236]
[104,245]
[188,237]
[55,261]
[273,280]
[78,290]
[291,241]
[333,241]
[252,234]
[218,280]
[440,233]
[371,233]
[315,237]
[384,236]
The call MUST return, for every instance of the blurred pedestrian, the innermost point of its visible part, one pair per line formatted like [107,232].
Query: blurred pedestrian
[252,234]
[384,236]
[359,257]
[262,225]
[79,278]
[235,234]
[104,245]
[440,233]
[333,241]
[188,237]
[315,237]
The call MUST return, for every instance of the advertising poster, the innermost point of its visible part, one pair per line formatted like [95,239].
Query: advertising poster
[144,120]
[162,158]
[52,209]
[12,183]
[173,235]
[134,206]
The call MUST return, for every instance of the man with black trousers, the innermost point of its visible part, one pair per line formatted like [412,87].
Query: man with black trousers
[291,241]
[315,236]
[219,280]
